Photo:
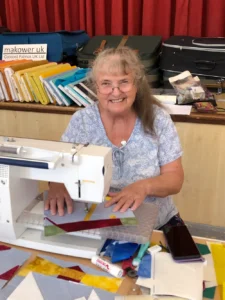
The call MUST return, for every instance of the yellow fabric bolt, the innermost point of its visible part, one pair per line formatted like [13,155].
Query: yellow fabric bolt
[40,265]
[218,253]
[101,282]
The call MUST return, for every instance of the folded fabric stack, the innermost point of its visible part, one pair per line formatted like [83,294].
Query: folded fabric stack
[45,83]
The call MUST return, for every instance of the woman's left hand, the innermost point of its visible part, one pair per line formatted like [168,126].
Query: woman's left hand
[130,197]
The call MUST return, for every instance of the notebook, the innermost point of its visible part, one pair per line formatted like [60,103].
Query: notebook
[52,72]
[4,82]
[28,82]
[18,78]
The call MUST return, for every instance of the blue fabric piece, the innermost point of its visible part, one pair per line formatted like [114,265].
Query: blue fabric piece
[123,251]
[119,251]
[106,244]
[109,249]
[144,269]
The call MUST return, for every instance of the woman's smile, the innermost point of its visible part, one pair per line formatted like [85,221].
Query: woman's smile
[119,100]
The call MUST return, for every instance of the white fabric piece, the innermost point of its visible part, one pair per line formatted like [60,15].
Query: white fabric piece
[93,296]
[25,289]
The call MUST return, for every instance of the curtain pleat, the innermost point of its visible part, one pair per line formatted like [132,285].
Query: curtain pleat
[134,17]
[43,17]
[13,16]
[157,17]
[2,14]
[117,17]
[99,27]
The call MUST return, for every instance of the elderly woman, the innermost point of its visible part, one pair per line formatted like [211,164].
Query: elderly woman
[145,145]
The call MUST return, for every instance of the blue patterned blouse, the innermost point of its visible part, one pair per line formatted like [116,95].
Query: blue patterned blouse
[140,158]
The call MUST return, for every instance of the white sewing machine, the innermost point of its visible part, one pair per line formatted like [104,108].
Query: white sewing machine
[86,171]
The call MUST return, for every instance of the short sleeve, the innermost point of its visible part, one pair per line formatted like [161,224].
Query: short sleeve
[168,140]
[75,131]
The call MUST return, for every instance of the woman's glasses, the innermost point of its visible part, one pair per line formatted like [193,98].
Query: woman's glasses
[106,87]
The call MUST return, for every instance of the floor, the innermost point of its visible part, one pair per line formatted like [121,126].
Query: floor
[208,231]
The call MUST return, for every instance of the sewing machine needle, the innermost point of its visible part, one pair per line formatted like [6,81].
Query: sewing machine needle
[86,209]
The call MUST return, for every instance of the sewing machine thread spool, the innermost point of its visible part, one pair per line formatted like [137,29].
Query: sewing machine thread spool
[10,150]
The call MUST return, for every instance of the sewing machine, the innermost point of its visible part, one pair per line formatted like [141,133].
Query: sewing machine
[85,170]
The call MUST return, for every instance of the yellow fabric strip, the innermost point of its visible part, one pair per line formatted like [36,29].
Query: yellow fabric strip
[90,212]
[43,266]
[40,265]
[105,283]
[218,253]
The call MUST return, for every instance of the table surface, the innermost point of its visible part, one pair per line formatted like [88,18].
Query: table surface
[128,286]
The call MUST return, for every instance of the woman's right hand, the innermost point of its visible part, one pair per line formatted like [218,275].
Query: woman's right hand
[58,196]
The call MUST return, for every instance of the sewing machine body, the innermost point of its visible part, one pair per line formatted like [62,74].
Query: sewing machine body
[85,170]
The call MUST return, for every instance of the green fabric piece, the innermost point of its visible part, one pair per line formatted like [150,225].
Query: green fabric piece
[203,249]
[209,292]
[128,221]
[52,230]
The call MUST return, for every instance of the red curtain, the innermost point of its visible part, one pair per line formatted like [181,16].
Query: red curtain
[97,17]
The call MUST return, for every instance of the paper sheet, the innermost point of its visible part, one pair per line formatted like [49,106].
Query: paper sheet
[171,278]
[166,99]
[178,109]
[209,270]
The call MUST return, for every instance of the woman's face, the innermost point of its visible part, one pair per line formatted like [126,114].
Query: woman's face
[116,92]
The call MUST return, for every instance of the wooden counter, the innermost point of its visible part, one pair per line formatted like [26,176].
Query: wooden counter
[194,117]
[202,137]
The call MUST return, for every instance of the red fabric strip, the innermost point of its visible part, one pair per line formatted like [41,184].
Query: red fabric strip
[3,248]
[83,225]
[9,274]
